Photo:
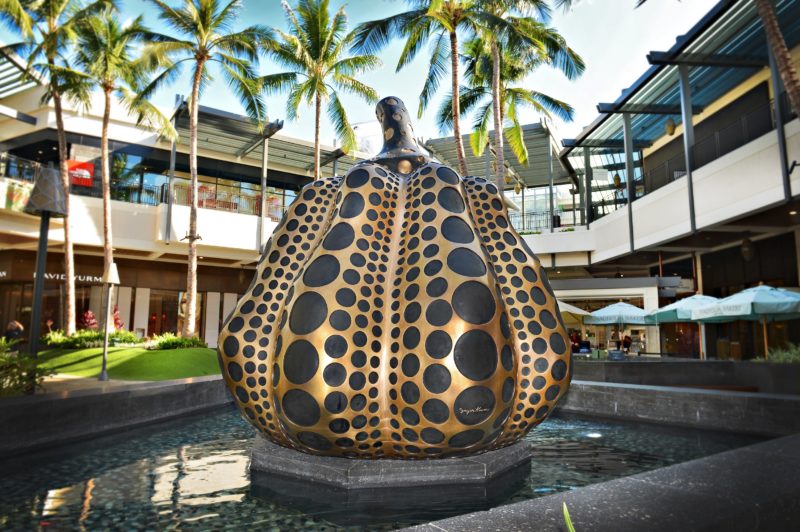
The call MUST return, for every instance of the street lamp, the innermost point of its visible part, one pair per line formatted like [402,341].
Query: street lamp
[110,277]
[47,201]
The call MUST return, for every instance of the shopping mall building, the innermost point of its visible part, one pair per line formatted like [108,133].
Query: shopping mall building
[687,182]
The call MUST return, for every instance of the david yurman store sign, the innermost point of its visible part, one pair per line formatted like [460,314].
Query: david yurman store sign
[51,276]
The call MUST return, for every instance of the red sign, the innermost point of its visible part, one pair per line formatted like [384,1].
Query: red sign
[81,173]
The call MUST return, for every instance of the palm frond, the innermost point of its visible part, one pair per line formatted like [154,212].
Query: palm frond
[338,117]
[437,69]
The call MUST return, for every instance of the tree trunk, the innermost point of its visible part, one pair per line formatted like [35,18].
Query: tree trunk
[318,111]
[191,275]
[462,161]
[500,173]
[781,52]
[69,257]
[108,256]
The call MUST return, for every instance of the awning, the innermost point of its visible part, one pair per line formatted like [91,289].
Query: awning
[12,81]
[237,136]
[539,141]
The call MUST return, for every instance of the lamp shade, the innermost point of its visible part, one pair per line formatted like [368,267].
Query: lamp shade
[111,275]
[47,195]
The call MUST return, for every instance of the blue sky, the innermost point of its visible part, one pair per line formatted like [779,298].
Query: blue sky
[612,37]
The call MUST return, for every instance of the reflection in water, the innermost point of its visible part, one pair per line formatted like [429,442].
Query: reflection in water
[194,475]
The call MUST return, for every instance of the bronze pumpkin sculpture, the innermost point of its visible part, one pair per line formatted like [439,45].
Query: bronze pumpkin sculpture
[396,313]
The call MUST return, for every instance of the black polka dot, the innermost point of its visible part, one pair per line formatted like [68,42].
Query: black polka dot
[410,416]
[314,440]
[466,262]
[235,371]
[539,346]
[410,392]
[474,302]
[438,344]
[437,287]
[411,337]
[476,355]
[435,411]
[552,392]
[236,324]
[538,296]
[466,438]
[439,313]
[436,378]
[447,175]
[450,199]
[334,374]
[230,346]
[335,346]
[345,297]
[357,178]
[335,402]
[352,205]
[410,365]
[339,237]
[300,407]
[340,320]
[339,425]
[559,370]
[557,343]
[432,436]
[300,362]
[456,230]
[547,319]
[412,312]
[508,389]
[529,274]
[322,271]
[474,405]
[308,313]
[507,358]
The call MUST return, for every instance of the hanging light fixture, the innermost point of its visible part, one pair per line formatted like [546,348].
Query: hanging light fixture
[747,249]
[617,181]
[669,127]
[517,189]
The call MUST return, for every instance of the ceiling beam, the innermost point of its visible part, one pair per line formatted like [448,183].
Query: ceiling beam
[638,144]
[16,115]
[269,130]
[644,109]
[335,154]
[717,60]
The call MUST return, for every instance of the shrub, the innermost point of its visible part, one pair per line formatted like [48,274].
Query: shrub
[169,341]
[121,336]
[785,355]
[19,374]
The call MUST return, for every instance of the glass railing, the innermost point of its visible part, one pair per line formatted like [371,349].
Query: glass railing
[152,189]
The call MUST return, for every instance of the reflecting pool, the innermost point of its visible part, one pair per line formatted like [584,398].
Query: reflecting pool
[193,475]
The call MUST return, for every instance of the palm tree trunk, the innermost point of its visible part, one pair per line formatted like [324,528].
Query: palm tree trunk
[781,52]
[462,161]
[108,256]
[69,256]
[318,111]
[191,275]
[498,118]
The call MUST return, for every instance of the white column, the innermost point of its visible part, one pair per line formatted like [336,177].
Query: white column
[124,294]
[228,304]
[650,299]
[141,310]
[212,318]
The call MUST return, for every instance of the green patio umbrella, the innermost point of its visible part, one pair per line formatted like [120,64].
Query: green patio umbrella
[681,311]
[760,303]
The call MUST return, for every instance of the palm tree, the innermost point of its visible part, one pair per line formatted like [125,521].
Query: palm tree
[441,21]
[206,39]
[477,96]
[105,52]
[517,26]
[313,49]
[48,30]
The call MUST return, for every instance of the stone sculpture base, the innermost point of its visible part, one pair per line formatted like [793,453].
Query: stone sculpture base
[350,474]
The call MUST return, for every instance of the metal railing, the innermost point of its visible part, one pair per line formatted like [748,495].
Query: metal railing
[225,198]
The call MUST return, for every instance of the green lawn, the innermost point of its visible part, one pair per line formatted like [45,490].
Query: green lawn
[133,363]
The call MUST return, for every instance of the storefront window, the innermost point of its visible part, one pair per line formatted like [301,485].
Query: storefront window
[167,312]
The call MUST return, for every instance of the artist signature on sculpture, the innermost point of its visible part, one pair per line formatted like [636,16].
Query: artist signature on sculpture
[476,410]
